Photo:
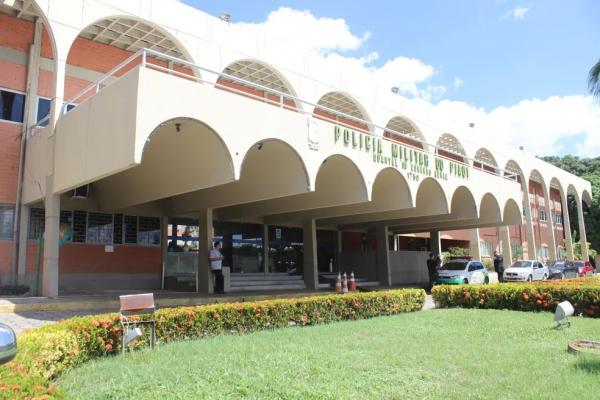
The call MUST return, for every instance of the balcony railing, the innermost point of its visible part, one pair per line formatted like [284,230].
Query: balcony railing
[146,58]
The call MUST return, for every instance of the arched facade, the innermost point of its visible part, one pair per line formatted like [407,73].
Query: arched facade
[485,161]
[407,132]
[449,146]
[332,103]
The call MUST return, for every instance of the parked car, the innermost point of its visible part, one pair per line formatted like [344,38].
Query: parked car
[526,271]
[463,271]
[584,268]
[562,270]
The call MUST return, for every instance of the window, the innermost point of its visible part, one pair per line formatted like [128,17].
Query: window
[36,223]
[66,226]
[43,110]
[558,219]
[7,218]
[148,231]
[486,249]
[542,215]
[100,228]
[12,106]
[79,226]
[118,229]
[130,229]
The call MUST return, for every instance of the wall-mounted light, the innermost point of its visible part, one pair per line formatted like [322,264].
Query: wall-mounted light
[260,146]
[177,127]
[225,16]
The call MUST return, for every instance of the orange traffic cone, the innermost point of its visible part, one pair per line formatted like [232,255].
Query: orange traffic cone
[344,283]
[338,283]
[352,283]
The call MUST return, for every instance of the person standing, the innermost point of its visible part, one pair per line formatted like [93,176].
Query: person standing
[432,267]
[216,267]
[499,266]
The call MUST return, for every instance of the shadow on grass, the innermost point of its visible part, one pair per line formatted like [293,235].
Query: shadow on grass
[588,363]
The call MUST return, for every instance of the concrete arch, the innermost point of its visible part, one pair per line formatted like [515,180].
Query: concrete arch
[272,168]
[489,209]
[463,203]
[513,169]
[431,198]
[125,49]
[450,147]
[390,189]
[344,103]
[511,213]
[485,160]
[586,197]
[260,73]
[413,135]
[339,179]
[174,160]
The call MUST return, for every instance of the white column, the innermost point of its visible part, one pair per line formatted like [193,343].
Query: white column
[164,240]
[582,235]
[266,248]
[567,226]
[531,248]
[21,223]
[474,245]
[384,272]
[506,248]
[205,244]
[550,226]
[51,240]
[309,237]
[435,243]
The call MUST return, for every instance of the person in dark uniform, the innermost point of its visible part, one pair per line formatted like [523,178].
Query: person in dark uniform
[432,268]
[499,266]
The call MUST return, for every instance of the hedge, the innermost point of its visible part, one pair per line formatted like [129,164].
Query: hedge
[582,293]
[46,352]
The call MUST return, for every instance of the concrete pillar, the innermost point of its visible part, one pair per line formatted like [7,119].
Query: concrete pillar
[474,244]
[266,248]
[506,248]
[550,226]
[309,237]
[164,244]
[205,244]
[582,235]
[384,271]
[339,245]
[22,248]
[567,226]
[531,247]
[435,243]
[51,240]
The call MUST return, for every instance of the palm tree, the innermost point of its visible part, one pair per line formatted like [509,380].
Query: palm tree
[594,80]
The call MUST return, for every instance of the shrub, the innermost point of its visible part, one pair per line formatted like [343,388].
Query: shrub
[9,290]
[582,293]
[44,353]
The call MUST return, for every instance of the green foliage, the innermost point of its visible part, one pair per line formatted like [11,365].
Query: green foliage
[577,251]
[455,252]
[589,169]
[594,80]
[46,352]
[583,293]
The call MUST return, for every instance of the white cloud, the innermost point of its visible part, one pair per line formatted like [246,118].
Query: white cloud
[517,14]
[542,126]
[458,82]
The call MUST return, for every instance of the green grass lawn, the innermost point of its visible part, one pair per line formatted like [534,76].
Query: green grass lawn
[450,354]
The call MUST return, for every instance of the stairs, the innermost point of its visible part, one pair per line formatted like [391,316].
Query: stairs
[252,282]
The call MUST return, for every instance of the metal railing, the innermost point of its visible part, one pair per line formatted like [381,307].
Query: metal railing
[152,59]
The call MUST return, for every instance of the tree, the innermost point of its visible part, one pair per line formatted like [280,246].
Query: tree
[594,80]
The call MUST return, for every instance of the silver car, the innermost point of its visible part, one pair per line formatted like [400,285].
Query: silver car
[526,271]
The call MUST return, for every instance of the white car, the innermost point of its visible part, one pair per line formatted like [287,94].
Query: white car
[463,272]
[526,271]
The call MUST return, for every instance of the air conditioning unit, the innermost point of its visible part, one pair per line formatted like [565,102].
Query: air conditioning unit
[82,192]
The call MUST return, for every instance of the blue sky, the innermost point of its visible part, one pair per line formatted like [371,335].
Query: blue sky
[488,54]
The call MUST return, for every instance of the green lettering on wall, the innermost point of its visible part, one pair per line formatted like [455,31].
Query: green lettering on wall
[346,137]
[336,134]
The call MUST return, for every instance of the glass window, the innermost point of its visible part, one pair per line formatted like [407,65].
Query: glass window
[130,229]
[100,228]
[12,106]
[118,229]
[66,226]
[486,249]
[148,231]
[79,226]
[36,223]
[43,110]
[7,217]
